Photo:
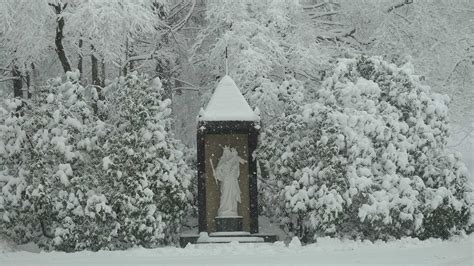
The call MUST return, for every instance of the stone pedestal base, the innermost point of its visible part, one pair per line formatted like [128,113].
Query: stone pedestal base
[229,224]
[225,237]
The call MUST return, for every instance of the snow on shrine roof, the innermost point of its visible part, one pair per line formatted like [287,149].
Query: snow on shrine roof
[228,104]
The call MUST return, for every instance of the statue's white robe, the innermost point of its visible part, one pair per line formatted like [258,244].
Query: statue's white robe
[228,172]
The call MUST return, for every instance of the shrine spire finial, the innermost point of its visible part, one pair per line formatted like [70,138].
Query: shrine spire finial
[226,64]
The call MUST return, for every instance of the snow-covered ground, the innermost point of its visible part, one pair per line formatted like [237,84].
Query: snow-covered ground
[326,251]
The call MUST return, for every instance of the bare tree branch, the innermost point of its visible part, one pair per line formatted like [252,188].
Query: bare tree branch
[454,69]
[314,6]
[181,23]
[8,79]
[327,22]
[467,134]
[185,82]
[406,2]
[318,15]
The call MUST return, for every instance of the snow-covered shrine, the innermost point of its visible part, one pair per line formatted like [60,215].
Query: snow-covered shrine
[227,136]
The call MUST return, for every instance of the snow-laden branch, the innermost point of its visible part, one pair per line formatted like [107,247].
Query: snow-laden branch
[327,22]
[185,82]
[186,88]
[318,15]
[454,69]
[140,57]
[402,17]
[314,6]
[8,79]
[181,23]
[337,35]
[404,3]
[467,133]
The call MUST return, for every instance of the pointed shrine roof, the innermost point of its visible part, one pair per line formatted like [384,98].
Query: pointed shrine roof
[228,104]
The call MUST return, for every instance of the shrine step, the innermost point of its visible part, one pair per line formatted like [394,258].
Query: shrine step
[231,233]
[225,237]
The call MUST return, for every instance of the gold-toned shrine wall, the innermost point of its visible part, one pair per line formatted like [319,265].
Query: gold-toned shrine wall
[214,144]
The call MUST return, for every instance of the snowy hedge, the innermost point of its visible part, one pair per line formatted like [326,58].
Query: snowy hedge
[72,181]
[367,159]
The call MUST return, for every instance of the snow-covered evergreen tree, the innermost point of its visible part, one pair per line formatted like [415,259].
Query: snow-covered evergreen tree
[368,159]
[45,149]
[71,181]
[145,165]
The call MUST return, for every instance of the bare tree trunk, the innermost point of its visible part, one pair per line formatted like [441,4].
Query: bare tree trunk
[31,79]
[26,92]
[58,8]
[95,71]
[95,80]
[17,82]
[131,66]
[18,88]
[131,53]
[79,61]
[34,77]
[102,73]
[124,68]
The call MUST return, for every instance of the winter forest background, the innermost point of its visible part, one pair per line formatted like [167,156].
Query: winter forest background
[366,110]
